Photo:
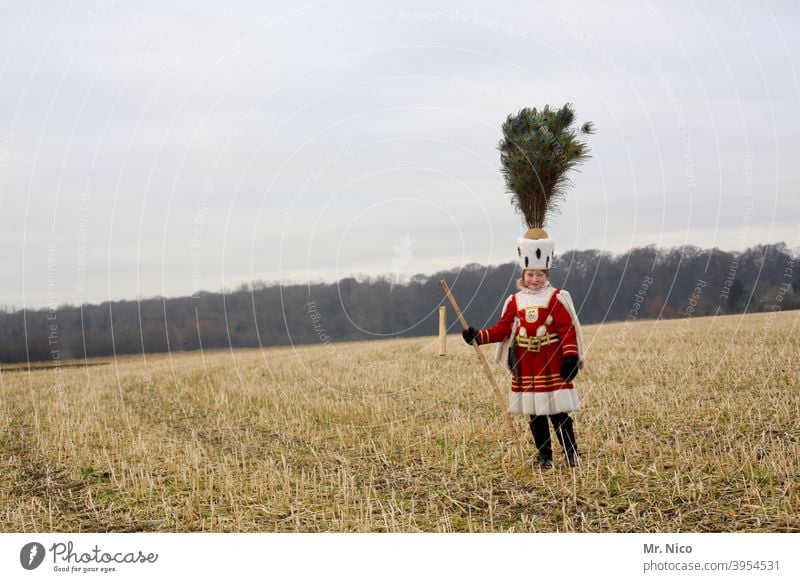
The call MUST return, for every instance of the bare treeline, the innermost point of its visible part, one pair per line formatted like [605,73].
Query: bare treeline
[645,283]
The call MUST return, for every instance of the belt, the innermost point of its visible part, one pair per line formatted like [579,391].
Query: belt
[534,344]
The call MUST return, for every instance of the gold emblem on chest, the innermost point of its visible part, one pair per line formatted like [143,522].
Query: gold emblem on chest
[531,314]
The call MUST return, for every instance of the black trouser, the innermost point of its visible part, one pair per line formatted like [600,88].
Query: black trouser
[562,424]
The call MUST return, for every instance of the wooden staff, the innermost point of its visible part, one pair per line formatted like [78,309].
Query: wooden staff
[485,365]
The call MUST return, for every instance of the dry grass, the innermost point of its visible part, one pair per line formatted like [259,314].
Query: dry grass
[687,426]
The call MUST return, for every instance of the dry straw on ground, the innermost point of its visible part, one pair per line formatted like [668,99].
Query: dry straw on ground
[688,425]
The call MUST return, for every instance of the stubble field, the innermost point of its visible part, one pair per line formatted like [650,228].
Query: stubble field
[688,425]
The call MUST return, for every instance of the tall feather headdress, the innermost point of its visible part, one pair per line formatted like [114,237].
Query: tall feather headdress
[537,150]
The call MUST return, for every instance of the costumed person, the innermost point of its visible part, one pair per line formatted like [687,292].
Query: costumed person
[539,329]
[541,345]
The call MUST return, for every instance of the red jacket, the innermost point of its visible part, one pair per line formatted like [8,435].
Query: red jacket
[538,315]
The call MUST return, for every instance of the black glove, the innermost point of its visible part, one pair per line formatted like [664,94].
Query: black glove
[569,369]
[513,363]
[471,334]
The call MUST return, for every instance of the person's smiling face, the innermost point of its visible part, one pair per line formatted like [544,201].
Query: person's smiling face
[534,279]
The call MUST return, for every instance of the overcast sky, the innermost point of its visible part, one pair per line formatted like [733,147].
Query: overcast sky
[161,148]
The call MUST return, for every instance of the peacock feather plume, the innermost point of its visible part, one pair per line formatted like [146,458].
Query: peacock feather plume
[538,149]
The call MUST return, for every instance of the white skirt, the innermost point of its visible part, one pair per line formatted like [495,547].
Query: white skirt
[543,403]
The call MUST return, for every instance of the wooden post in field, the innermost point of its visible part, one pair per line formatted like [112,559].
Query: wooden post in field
[442,330]
[501,400]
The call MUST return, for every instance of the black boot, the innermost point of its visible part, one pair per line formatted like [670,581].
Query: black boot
[541,437]
[562,424]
